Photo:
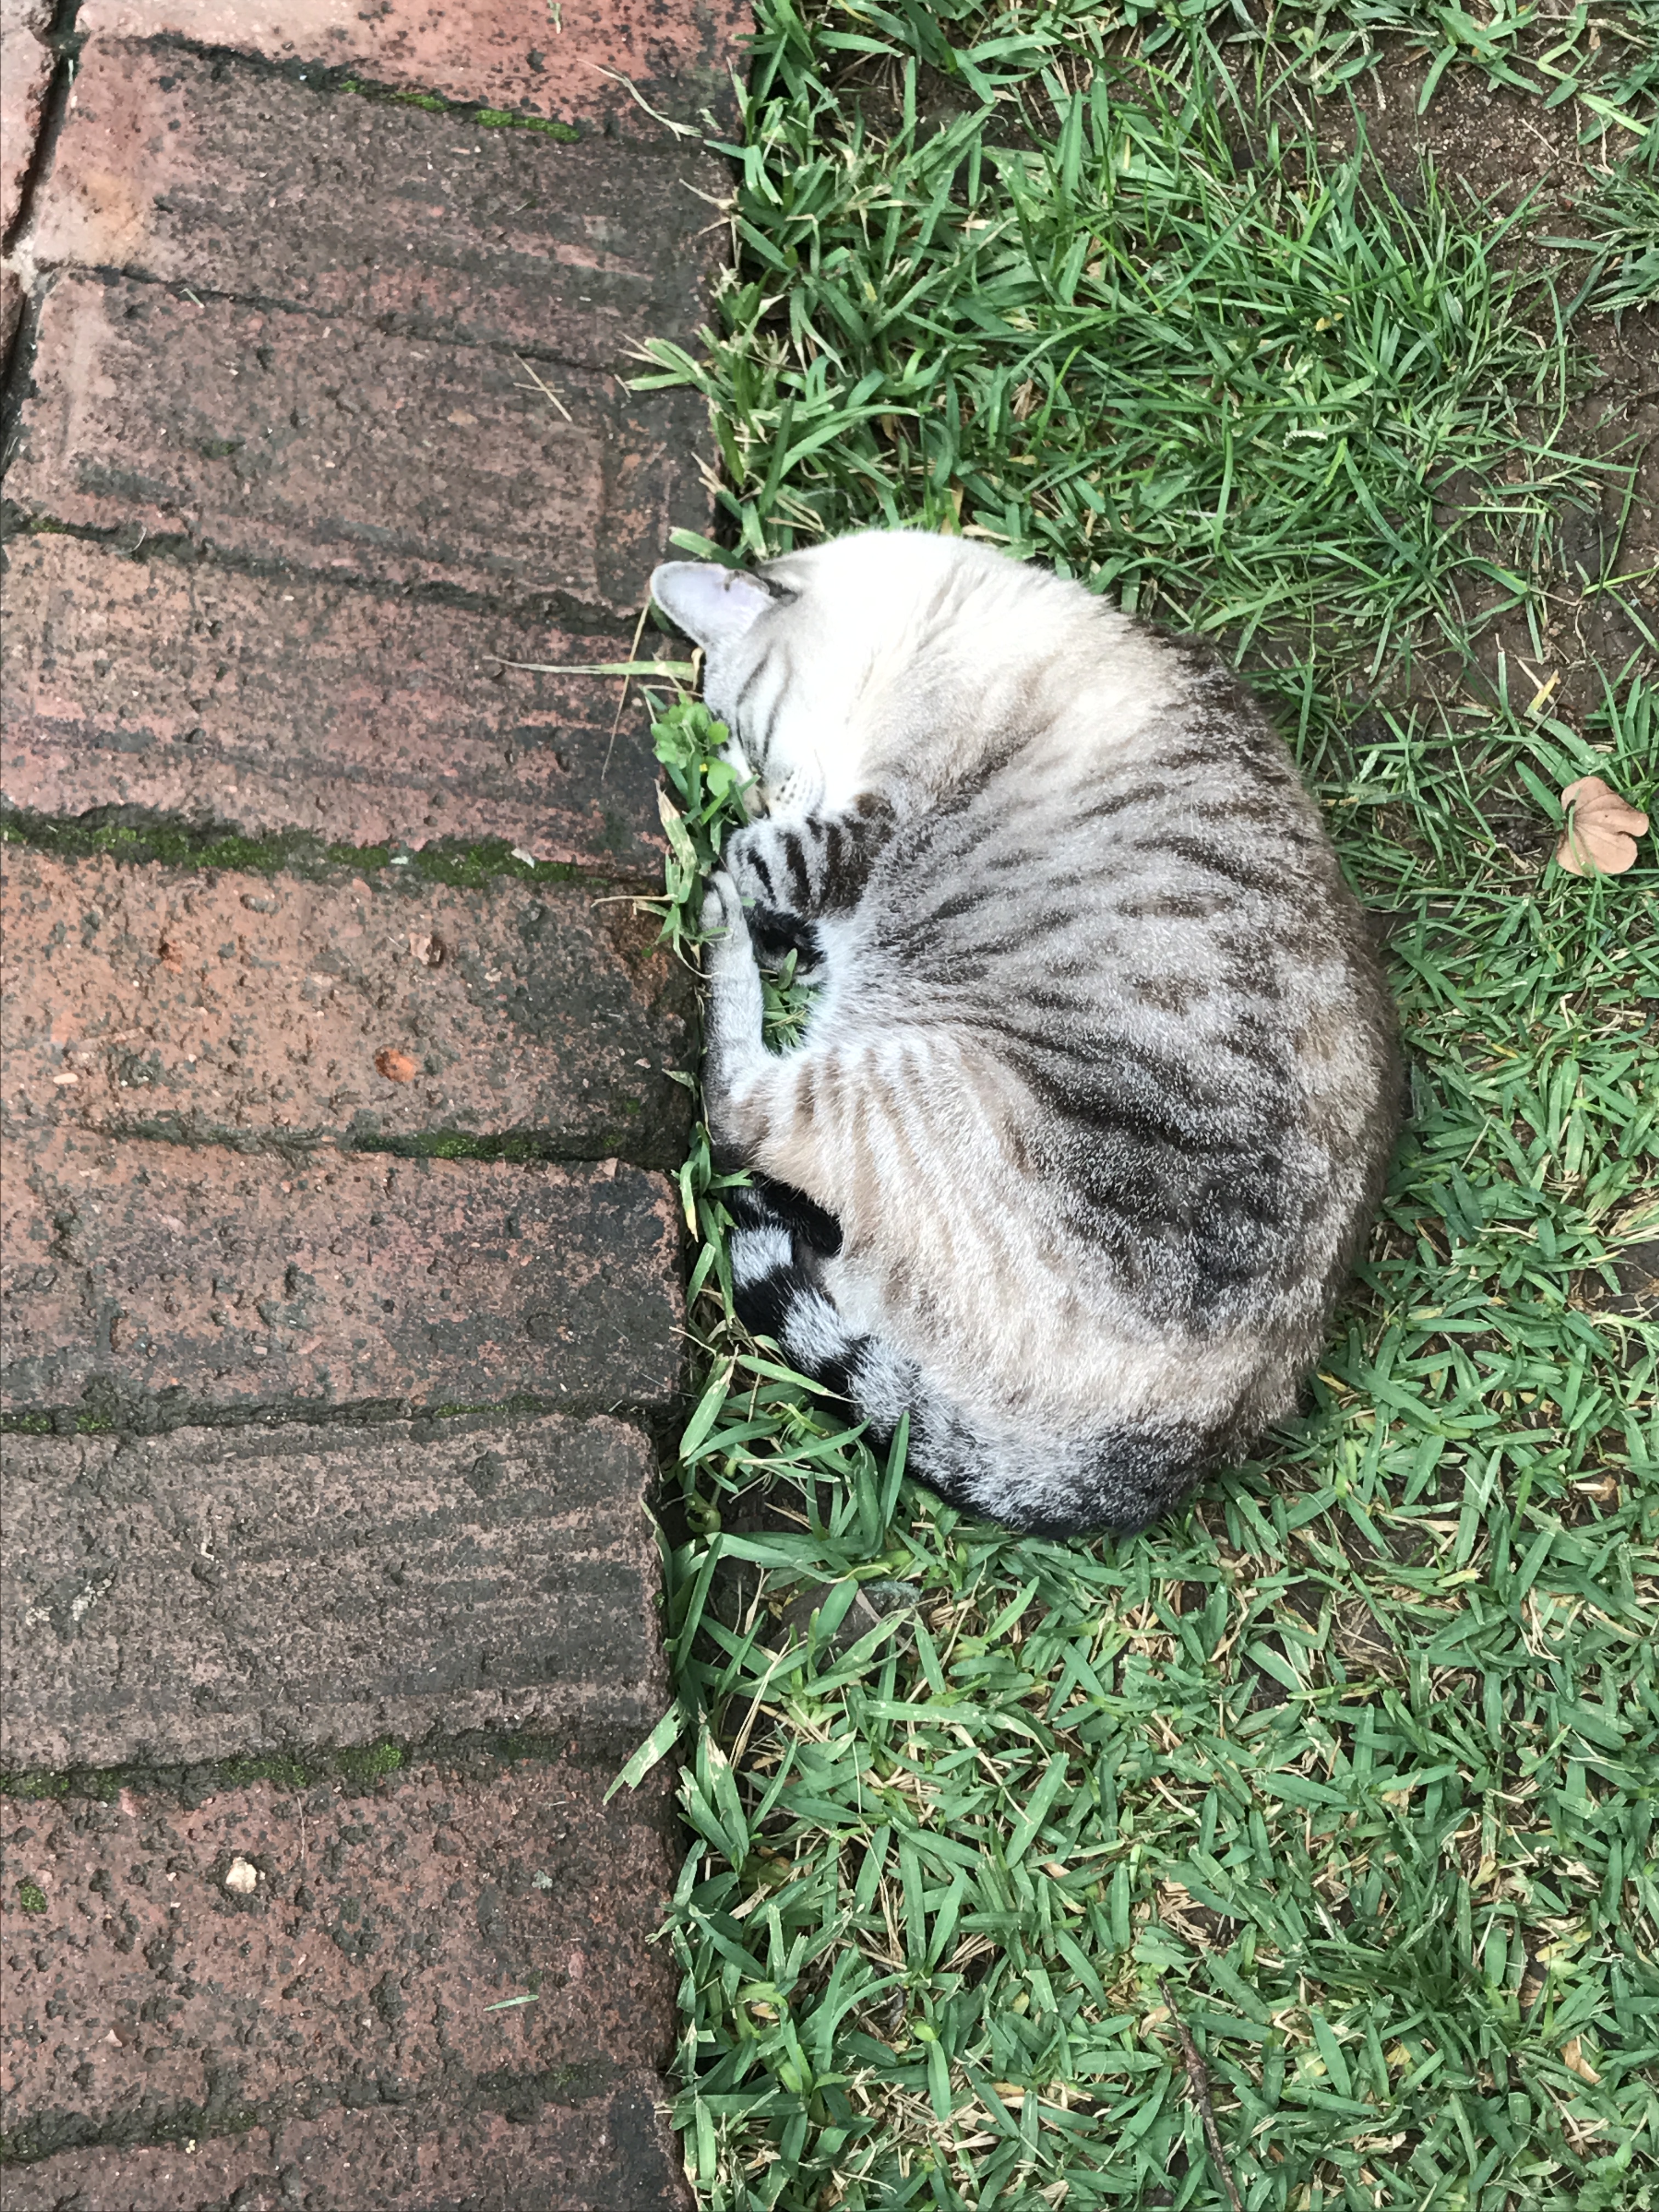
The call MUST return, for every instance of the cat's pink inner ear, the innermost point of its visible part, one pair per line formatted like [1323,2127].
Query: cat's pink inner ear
[713,604]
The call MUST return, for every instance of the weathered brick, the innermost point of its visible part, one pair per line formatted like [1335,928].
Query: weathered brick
[177,1598]
[612,2153]
[283,437]
[152,1280]
[231,180]
[152,1996]
[25,67]
[217,1004]
[270,704]
[505,54]
[508,54]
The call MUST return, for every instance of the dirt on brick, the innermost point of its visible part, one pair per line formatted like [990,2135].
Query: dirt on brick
[270,704]
[282,439]
[604,68]
[174,167]
[25,67]
[612,2152]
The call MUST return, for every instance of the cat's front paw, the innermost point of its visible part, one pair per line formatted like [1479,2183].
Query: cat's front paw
[744,860]
[722,909]
[775,936]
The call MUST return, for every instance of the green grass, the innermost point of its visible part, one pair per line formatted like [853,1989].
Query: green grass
[1603,60]
[1621,210]
[1355,1762]
[1164,350]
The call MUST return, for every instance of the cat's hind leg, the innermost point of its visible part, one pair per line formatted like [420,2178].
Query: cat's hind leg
[779,1237]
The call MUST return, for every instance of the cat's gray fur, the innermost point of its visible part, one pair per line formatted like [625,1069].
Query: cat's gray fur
[1090,1113]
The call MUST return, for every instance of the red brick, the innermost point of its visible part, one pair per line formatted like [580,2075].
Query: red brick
[283,437]
[508,54]
[177,1598]
[231,180]
[149,1996]
[275,704]
[613,2152]
[25,67]
[217,1004]
[150,1276]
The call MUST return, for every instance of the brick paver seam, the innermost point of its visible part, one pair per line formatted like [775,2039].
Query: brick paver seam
[64,45]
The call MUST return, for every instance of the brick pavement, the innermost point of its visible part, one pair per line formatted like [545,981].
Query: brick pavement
[342,1266]
[262,703]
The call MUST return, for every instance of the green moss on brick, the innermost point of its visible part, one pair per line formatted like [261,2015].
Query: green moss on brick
[496,119]
[287,1772]
[462,1145]
[37,1784]
[370,1762]
[470,111]
[163,839]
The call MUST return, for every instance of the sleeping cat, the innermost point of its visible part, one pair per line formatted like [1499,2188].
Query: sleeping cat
[1099,1086]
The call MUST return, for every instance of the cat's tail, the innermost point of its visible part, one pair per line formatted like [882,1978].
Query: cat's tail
[1122,1476]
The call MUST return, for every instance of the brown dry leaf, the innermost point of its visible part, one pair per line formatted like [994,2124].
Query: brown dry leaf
[1573,2058]
[396,1066]
[1600,838]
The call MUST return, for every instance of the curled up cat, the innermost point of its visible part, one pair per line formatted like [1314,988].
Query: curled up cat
[1098,1089]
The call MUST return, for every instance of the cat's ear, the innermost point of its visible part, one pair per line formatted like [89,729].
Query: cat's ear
[713,604]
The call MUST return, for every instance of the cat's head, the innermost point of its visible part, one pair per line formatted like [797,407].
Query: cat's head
[821,660]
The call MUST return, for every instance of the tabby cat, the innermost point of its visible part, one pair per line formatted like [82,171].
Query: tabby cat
[1099,1085]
